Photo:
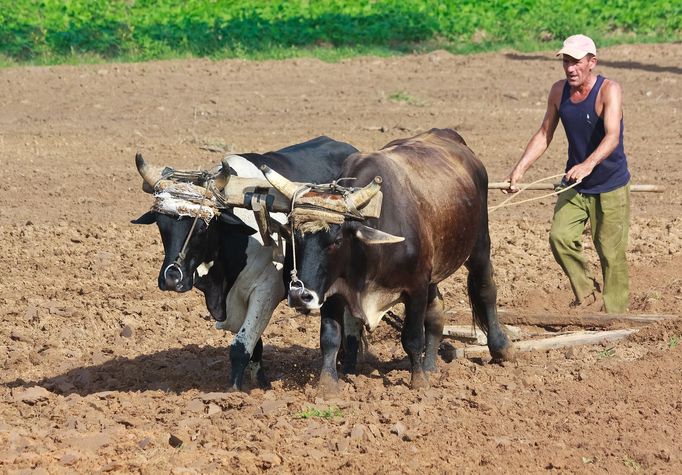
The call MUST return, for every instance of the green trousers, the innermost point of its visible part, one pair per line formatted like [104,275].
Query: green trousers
[609,217]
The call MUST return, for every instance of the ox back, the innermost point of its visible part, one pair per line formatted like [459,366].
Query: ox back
[435,196]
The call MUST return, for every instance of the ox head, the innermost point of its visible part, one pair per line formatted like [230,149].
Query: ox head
[328,232]
[190,222]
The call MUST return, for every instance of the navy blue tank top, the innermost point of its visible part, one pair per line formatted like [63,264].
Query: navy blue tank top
[585,131]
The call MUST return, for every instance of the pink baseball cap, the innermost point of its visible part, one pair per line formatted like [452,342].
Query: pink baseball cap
[577,46]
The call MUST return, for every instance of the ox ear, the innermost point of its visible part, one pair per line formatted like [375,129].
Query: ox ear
[148,218]
[374,236]
[236,224]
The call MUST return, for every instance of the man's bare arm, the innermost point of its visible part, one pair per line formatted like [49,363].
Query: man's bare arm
[540,141]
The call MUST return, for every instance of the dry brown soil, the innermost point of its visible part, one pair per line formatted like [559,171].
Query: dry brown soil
[101,371]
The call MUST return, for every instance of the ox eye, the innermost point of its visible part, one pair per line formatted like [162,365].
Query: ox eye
[336,243]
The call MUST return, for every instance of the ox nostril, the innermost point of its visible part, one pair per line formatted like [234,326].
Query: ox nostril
[307,296]
[295,297]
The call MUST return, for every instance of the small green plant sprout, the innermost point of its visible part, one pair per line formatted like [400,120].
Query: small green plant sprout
[673,341]
[632,464]
[312,411]
[654,295]
[607,353]
[403,98]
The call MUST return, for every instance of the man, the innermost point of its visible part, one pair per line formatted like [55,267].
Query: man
[590,109]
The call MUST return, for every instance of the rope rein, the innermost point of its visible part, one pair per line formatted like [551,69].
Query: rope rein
[507,202]
[207,177]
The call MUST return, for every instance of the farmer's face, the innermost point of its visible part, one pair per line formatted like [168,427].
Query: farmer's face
[578,70]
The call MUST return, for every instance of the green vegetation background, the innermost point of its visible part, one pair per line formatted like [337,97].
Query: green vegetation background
[52,31]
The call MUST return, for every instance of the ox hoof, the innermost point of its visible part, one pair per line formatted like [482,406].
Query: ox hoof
[328,386]
[430,366]
[500,355]
[419,380]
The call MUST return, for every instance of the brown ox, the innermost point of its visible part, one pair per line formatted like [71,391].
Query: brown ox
[433,219]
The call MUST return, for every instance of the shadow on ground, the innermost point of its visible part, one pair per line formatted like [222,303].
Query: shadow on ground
[196,368]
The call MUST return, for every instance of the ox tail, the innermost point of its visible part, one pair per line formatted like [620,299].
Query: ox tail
[482,297]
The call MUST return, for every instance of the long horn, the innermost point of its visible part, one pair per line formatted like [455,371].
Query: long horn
[281,184]
[150,174]
[223,177]
[362,196]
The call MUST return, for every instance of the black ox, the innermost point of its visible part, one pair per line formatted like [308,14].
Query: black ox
[241,283]
[433,220]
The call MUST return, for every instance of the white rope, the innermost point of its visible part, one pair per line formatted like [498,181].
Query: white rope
[302,190]
[515,195]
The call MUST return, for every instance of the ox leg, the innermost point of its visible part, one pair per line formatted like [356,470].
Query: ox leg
[412,336]
[434,321]
[256,364]
[483,298]
[330,342]
[352,341]
[239,359]
[247,345]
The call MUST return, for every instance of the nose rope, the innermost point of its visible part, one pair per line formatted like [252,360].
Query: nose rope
[300,191]
[183,252]
[295,282]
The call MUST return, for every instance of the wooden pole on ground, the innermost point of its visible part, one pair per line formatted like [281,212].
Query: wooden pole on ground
[470,334]
[561,341]
[510,317]
[596,320]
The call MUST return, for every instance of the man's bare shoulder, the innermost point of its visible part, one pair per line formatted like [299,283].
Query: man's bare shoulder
[610,86]
[559,85]
[610,92]
[556,91]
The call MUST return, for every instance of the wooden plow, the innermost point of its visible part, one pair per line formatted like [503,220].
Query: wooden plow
[592,331]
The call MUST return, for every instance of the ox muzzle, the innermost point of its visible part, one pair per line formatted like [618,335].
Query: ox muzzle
[302,298]
[172,279]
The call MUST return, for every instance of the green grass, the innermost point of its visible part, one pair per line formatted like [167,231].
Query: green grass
[56,31]
[311,411]
[400,96]
[607,353]
[673,341]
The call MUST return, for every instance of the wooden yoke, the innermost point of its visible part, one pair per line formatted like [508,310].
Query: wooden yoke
[240,191]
